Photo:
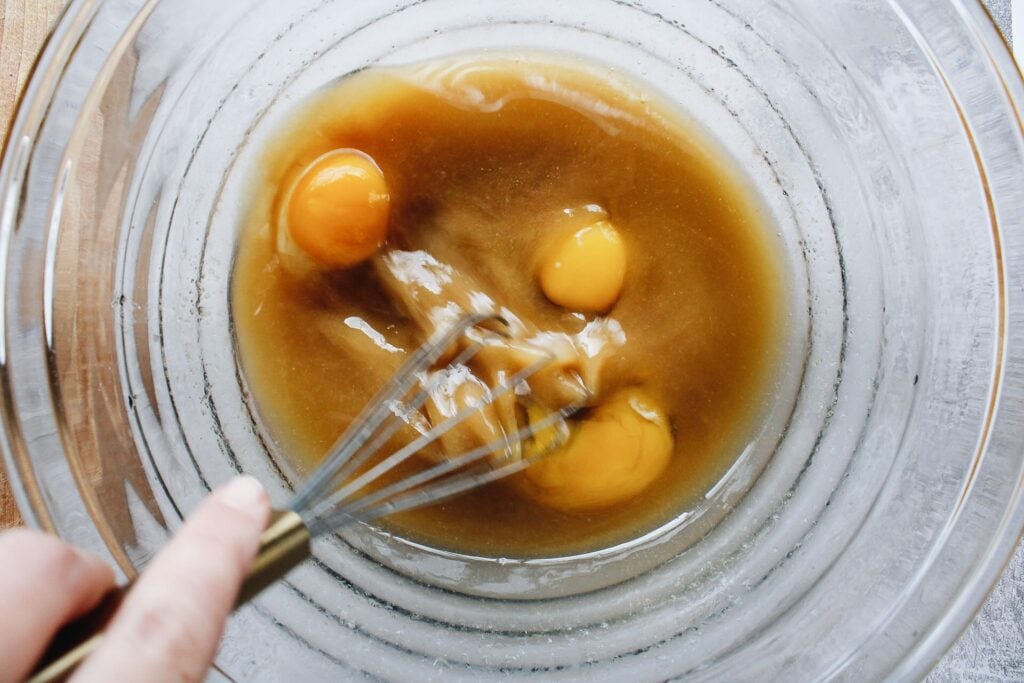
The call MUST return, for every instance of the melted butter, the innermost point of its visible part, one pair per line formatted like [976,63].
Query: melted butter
[481,156]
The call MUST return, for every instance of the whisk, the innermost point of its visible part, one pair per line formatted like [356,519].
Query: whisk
[346,487]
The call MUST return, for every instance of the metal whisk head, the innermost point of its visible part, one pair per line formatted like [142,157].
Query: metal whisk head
[342,490]
[339,492]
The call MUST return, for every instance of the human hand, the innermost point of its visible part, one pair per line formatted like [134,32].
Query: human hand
[169,624]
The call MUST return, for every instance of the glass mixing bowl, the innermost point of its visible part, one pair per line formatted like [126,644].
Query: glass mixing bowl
[857,534]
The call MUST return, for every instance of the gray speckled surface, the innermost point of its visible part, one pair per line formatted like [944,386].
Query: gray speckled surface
[992,648]
[1000,10]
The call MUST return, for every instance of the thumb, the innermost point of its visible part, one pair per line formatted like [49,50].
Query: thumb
[171,620]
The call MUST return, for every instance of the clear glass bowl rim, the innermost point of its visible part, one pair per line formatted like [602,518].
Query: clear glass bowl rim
[925,652]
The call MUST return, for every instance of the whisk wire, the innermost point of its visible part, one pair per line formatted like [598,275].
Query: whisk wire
[401,455]
[395,406]
[377,504]
[378,409]
[336,495]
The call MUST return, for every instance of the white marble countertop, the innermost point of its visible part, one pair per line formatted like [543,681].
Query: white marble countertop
[992,648]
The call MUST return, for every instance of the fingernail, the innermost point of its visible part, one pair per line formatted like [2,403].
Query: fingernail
[95,562]
[246,495]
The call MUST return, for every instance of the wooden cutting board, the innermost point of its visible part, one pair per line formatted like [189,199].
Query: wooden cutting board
[24,26]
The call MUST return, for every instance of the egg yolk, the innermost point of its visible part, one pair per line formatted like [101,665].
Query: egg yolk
[616,452]
[338,209]
[584,270]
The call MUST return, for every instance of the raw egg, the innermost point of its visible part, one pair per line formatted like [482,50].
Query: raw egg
[338,209]
[614,453]
[584,270]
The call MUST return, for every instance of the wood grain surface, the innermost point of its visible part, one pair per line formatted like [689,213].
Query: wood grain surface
[24,26]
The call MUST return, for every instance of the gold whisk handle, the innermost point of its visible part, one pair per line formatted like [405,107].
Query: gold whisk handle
[283,545]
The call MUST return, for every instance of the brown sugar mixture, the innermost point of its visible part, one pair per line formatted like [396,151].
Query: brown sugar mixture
[607,229]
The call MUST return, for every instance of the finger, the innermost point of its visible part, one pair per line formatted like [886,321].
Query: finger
[45,583]
[170,622]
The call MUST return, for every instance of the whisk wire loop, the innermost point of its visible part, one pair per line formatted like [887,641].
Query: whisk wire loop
[412,492]
[424,440]
[337,493]
[378,410]
[397,409]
